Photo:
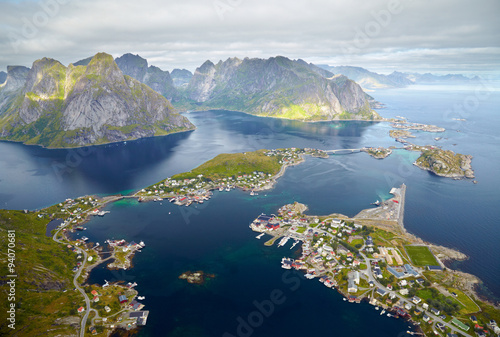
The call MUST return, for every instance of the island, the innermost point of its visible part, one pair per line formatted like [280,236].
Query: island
[367,256]
[377,152]
[446,163]
[417,126]
[199,277]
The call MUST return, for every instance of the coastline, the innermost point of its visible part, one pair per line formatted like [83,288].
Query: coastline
[92,145]
[448,253]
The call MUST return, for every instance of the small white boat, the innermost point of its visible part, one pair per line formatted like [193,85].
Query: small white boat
[141,297]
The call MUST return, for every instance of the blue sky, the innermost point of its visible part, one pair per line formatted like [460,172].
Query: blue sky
[408,35]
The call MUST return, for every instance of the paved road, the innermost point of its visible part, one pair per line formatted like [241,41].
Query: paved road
[433,317]
[77,285]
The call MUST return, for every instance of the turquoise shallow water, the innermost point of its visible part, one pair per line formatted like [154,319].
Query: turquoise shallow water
[216,237]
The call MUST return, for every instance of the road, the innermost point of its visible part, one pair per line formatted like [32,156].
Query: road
[77,285]
[433,317]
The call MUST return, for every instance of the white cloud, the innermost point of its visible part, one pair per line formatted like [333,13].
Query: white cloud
[384,34]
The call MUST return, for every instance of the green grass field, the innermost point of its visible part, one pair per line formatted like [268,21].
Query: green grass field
[470,305]
[421,256]
[234,164]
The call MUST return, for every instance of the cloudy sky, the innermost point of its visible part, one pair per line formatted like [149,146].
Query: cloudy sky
[459,36]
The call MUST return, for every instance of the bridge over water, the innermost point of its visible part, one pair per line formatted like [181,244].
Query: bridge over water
[343,151]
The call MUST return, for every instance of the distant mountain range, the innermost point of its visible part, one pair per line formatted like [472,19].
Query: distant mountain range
[3,77]
[91,103]
[371,80]
[277,87]
[100,99]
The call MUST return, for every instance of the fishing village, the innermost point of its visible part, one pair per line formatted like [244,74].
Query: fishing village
[370,257]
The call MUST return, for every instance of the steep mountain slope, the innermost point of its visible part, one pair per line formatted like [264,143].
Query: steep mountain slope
[60,106]
[3,77]
[155,78]
[277,87]
[181,77]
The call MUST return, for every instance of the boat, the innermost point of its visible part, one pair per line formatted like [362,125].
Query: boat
[376,308]
[142,244]
[376,203]
[141,298]
[221,189]
[389,314]
[260,235]
[283,241]
[382,312]
[84,238]
[80,228]
[345,299]
[228,189]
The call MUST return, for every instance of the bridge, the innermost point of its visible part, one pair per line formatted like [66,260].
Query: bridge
[343,151]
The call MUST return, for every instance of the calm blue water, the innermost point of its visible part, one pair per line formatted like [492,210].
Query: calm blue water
[216,238]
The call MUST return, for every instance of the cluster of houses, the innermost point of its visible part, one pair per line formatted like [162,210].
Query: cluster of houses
[191,190]
[325,255]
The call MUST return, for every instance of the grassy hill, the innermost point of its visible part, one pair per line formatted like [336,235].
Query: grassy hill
[234,164]
[44,288]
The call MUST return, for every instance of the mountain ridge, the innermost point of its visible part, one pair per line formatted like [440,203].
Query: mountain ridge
[60,106]
[277,87]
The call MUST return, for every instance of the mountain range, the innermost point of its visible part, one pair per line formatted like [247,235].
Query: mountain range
[57,106]
[371,80]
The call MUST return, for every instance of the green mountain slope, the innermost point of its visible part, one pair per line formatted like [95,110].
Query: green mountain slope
[277,87]
[62,106]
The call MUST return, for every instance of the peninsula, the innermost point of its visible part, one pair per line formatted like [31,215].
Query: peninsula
[371,256]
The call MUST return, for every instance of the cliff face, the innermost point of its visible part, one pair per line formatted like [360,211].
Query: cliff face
[58,106]
[157,79]
[278,87]
[181,77]
[3,76]
[16,76]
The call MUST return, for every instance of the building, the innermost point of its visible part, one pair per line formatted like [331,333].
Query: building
[416,300]
[81,309]
[395,272]
[434,268]
[435,311]
[122,299]
[351,287]
[409,269]
[381,292]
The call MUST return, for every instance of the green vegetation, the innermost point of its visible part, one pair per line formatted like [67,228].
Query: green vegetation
[469,305]
[445,163]
[234,164]
[421,256]
[44,271]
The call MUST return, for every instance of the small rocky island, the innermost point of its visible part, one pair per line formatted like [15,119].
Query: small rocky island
[197,277]
[417,126]
[397,134]
[446,163]
[377,152]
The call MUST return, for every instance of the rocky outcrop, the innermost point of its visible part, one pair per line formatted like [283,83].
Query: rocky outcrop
[60,106]
[157,79]
[446,163]
[181,77]
[3,77]
[15,79]
[278,87]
